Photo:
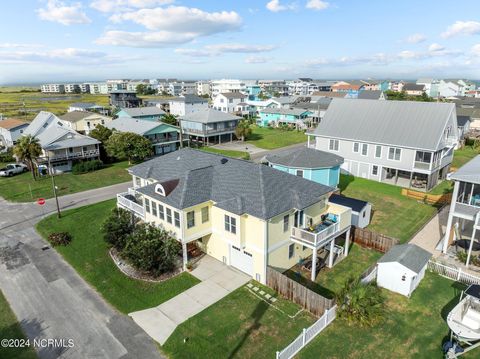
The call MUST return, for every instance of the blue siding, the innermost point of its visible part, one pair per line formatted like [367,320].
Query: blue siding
[325,176]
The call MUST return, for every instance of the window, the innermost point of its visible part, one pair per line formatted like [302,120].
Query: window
[137,182]
[230,100]
[161,212]
[394,153]
[364,149]
[147,205]
[177,219]
[230,224]
[291,250]
[356,147]
[169,215]
[300,173]
[205,214]
[154,208]
[298,219]
[286,220]
[375,170]
[333,145]
[378,151]
[190,219]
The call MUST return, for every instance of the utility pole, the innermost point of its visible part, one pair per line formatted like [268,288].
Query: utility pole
[52,174]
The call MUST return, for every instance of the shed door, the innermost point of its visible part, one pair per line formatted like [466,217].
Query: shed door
[241,260]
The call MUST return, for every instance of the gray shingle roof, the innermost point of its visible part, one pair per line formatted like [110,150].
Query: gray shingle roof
[305,158]
[370,95]
[469,172]
[409,255]
[187,98]
[135,125]
[399,123]
[209,115]
[413,87]
[233,95]
[285,111]
[144,111]
[237,186]
[463,120]
[355,204]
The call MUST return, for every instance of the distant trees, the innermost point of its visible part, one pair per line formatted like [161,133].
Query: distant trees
[143,89]
[28,149]
[243,129]
[402,96]
[263,96]
[128,145]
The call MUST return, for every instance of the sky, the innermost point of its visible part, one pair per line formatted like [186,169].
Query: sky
[90,40]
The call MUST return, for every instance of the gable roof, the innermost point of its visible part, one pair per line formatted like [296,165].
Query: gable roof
[187,98]
[370,95]
[399,123]
[12,123]
[143,111]
[285,100]
[469,172]
[409,255]
[463,120]
[232,95]
[75,116]
[305,158]
[237,186]
[209,115]
[38,122]
[355,204]
[413,87]
[135,125]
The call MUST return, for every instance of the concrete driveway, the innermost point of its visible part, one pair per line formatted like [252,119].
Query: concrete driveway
[50,300]
[218,280]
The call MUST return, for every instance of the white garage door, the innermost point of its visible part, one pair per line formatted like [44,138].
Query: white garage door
[241,260]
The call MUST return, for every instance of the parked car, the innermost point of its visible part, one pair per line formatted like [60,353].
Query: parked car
[13,169]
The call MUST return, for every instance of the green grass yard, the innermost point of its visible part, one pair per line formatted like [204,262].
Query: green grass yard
[230,153]
[241,325]
[271,138]
[10,329]
[413,328]
[17,188]
[88,254]
[464,155]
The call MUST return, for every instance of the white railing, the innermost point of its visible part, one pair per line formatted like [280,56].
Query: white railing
[136,208]
[455,274]
[308,334]
[315,238]
[422,165]
[74,155]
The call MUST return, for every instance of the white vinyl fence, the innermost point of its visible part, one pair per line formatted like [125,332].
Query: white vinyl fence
[369,275]
[453,273]
[308,334]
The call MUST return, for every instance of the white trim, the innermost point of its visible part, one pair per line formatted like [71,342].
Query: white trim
[361,152]
[353,147]
[393,159]
[381,151]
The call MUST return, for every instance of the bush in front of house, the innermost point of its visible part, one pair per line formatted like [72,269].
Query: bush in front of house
[7,156]
[60,239]
[151,249]
[117,227]
[86,166]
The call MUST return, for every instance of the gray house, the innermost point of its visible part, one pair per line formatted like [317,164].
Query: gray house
[406,143]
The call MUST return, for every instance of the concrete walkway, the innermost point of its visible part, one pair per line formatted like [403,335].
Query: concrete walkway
[432,232]
[218,280]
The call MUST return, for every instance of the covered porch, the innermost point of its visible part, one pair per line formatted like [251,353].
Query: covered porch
[418,181]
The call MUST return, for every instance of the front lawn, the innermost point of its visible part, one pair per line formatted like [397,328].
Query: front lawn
[392,214]
[241,325]
[22,188]
[88,254]
[10,329]
[229,153]
[463,155]
[271,138]
[413,328]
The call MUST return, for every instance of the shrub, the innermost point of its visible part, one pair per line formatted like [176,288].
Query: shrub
[117,227]
[86,166]
[7,156]
[60,239]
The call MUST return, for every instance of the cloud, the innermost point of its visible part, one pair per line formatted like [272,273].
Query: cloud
[58,11]
[415,38]
[462,28]
[257,59]
[275,6]
[475,50]
[436,47]
[144,39]
[9,45]
[317,5]
[219,49]
[126,5]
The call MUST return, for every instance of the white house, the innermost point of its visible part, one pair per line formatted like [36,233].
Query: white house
[401,269]
[53,88]
[11,130]
[226,85]
[182,105]
[203,88]
[230,102]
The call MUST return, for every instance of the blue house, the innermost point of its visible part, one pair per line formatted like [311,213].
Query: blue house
[281,116]
[317,166]
[253,91]
[149,113]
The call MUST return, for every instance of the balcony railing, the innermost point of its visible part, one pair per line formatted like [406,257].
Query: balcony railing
[208,131]
[125,200]
[317,239]
[75,155]
[422,165]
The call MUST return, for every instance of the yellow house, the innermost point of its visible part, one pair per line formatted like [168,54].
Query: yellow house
[84,121]
[246,215]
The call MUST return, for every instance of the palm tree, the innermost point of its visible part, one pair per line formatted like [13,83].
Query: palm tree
[243,130]
[360,303]
[28,149]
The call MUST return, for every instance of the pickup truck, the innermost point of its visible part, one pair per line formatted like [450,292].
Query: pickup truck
[12,169]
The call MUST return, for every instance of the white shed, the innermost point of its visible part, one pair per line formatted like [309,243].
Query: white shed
[402,268]
[361,210]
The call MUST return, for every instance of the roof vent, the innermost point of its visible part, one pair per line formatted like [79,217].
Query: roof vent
[223,161]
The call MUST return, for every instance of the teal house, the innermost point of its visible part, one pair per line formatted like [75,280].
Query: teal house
[275,116]
[253,91]
[149,113]
[317,166]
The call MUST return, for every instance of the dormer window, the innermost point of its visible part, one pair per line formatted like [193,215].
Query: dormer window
[165,188]
[160,190]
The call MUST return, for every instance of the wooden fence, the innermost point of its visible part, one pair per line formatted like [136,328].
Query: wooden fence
[297,293]
[427,198]
[373,240]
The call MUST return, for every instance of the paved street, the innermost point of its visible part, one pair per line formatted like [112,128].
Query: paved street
[50,299]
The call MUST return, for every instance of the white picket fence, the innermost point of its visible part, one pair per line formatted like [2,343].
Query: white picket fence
[453,273]
[369,275]
[308,334]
